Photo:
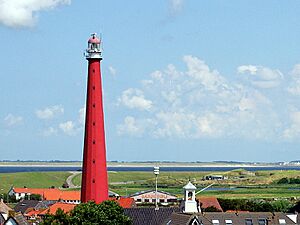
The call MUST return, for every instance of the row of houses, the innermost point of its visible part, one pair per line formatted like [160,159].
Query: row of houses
[189,210]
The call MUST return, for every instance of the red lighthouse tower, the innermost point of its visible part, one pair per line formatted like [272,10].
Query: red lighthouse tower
[94,186]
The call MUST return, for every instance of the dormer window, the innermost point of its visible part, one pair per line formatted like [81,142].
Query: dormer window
[282,221]
[228,222]
[215,222]
[248,222]
[262,222]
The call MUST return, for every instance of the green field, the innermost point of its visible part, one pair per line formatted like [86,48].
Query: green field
[32,180]
[259,184]
[244,184]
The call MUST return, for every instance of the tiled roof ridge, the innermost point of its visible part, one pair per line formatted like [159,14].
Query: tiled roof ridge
[150,190]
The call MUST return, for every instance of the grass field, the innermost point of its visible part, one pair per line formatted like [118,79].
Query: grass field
[260,184]
[245,184]
[32,180]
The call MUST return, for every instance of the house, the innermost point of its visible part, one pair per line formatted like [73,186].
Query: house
[149,215]
[4,210]
[150,197]
[66,207]
[25,206]
[215,177]
[221,218]
[50,194]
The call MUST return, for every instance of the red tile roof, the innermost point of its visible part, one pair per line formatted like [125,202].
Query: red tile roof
[33,212]
[56,194]
[51,193]
[58,205]
[124,202]
[206,202]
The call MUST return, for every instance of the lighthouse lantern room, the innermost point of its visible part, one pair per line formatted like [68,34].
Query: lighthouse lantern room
[93,51]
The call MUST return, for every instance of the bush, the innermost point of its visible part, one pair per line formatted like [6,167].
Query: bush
[255,205]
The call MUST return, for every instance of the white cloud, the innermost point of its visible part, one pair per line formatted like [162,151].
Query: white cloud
[49,131]
[262,77]
[247,68]
[134,99]
[49,112]
[11,120]
[294,87]
[132,127]
[247,104]
[199,102]
[199,71]
[24,13]
[176,5]
[112,70]
[81,118]
[293,131]
[68,128]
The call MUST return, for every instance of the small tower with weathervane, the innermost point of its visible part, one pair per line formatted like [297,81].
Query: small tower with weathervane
[190,203]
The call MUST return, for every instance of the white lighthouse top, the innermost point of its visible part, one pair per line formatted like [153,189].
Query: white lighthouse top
[93,51]
[189,186]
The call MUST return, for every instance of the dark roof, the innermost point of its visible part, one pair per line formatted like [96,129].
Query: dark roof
[149,216]
[178,219]
[26,204]
[4,208]
[236,218]
[18,219]
[182,218]
[239,218]
[2,220]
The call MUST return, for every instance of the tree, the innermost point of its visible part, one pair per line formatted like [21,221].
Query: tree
[59,218]
[90,213]
[34,197]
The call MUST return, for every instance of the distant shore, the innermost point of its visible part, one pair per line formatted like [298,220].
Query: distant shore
[143,164]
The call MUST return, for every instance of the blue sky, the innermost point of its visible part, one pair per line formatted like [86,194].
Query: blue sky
[183,80]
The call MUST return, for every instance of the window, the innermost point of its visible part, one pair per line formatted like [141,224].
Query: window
[146,200]
[248,222]
[215,222]
[228,222]
[161,200]
[262,222]
[138,200]
[282,221]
